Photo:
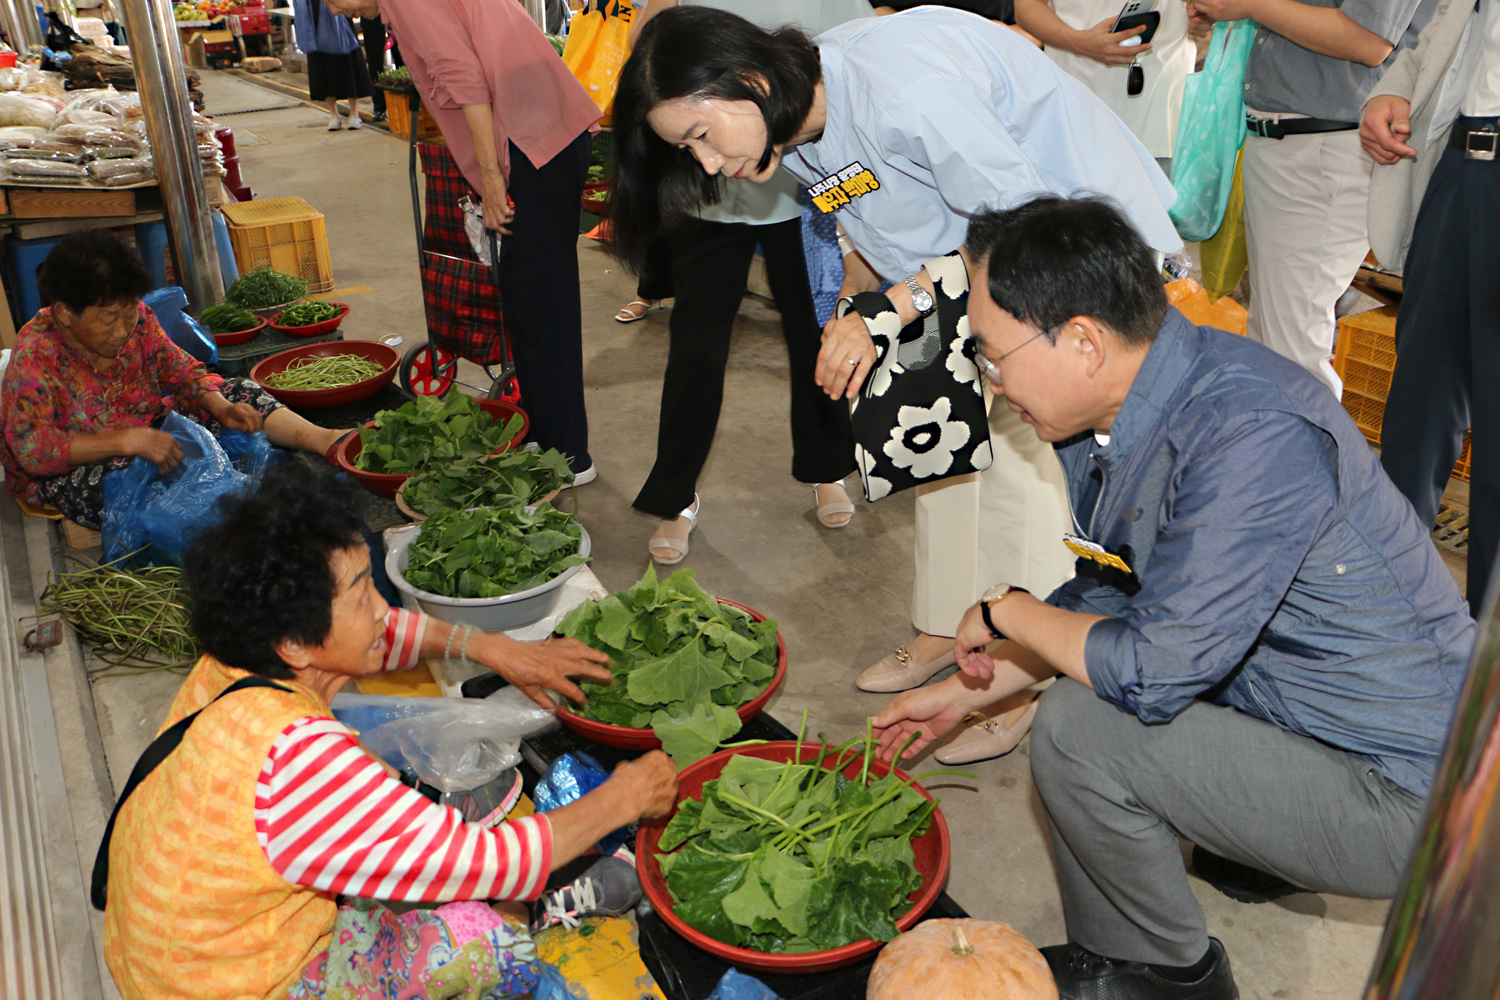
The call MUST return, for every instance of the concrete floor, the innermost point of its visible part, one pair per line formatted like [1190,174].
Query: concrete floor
[842,597]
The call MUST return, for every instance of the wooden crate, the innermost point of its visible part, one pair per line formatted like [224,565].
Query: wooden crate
[1365,359]
[70,203]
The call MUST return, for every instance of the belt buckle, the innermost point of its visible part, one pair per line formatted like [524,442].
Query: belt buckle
[1266,128]
[1480,153]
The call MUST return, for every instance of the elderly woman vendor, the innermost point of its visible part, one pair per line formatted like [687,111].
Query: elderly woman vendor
[243,865]
[94,373]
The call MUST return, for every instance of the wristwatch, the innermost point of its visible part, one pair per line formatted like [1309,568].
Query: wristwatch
[994,596]
[921,298]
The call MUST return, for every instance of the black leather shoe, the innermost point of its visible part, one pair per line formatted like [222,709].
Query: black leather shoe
[1240,882]
[1082,975]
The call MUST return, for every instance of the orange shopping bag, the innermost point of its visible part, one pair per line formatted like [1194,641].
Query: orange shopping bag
[598,45]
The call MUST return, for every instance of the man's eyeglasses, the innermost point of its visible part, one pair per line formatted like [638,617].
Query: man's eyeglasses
[991,368]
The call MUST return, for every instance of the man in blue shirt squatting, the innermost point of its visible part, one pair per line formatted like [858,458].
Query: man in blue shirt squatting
[1273,643]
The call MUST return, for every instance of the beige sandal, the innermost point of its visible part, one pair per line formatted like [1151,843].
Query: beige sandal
[836,514]
[677,546]
[629,315]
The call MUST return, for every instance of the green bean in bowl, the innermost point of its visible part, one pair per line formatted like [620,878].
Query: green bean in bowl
[308,313]
[332,372]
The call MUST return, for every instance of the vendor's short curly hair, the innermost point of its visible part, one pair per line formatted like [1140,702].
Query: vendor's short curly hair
[264,573]
[92,267]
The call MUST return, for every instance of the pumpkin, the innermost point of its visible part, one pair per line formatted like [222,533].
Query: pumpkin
[961,960]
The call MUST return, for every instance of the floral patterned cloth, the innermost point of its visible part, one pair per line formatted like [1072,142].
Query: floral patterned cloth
[459,951]
[51,392]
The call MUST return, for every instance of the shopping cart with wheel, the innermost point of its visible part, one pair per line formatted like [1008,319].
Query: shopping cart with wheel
[460,294]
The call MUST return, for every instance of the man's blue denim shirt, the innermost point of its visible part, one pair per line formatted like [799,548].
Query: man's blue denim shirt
[1275,567]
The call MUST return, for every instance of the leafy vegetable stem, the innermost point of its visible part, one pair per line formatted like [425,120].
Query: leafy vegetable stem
[736,800]
[864,770]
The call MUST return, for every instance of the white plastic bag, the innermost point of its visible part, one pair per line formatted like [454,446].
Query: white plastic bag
[456,744]
[18,110]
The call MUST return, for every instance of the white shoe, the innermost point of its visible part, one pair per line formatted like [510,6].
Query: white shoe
[586,476]
[335,123]
[677,548]
[356,122]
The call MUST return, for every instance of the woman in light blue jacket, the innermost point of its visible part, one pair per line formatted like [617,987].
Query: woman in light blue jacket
[919,120]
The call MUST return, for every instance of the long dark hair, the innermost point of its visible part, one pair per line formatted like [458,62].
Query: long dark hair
[702,53]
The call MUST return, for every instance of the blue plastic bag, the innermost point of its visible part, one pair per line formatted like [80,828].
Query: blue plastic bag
[144,508]
[735,985]
[170,306]
[1210,131]
[570,778]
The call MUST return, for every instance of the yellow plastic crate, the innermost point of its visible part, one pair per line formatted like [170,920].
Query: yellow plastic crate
[284,233]
[1365,359]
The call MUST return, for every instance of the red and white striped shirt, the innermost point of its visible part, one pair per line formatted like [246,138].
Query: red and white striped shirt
[331,817]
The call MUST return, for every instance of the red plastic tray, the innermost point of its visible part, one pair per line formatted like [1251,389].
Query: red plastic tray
[318,399]
[239,336]
[631,738]
[931,854]
[312,329]
[386,484]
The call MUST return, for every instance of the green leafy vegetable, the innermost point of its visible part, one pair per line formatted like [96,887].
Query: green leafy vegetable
[521,473]
[682,662]
[491,552]
[435,430]
[308,313]
[788,857]
[227,318]
[398,77]
[264,287]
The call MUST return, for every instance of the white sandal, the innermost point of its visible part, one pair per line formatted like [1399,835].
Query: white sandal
[672,542]
[626,316]
[833,509]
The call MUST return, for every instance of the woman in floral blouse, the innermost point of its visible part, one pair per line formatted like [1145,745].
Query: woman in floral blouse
[93,375]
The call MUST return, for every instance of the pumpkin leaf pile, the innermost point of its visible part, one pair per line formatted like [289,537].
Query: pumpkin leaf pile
[431,430]
[521,473]
[491,552]
[786,857]
[682,662]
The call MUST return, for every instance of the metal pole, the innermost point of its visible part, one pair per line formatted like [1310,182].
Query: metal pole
[537,11]
[159,76]
[21,24]
[1442,938]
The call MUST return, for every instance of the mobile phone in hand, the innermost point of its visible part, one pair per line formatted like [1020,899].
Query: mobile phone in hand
[1134,14]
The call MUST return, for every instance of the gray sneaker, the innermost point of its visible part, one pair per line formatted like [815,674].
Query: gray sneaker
[609,888]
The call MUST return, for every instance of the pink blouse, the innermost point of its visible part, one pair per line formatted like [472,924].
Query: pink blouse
[51,392]
[489,52]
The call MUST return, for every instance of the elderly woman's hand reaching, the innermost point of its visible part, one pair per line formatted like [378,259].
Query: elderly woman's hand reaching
[538,667]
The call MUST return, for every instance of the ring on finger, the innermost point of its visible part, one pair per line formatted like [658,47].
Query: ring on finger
[853,362]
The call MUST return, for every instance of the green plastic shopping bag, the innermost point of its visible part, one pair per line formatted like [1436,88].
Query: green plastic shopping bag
[1210,132]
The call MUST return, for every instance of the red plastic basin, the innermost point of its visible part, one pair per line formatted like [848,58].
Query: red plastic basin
[240,336]
[316,399]
[631,738]
[386,484]
[931,855]
[312,329]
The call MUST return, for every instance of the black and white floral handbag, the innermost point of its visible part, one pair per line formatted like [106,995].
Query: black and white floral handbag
[920,414]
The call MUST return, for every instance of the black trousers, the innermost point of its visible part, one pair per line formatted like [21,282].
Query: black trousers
[1447,351]
[710,264]
[373,30]
[656,273]
[539,293]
